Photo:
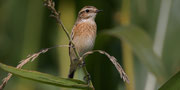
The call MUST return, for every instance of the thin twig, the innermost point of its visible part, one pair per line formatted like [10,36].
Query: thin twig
[25,61]
[113,60]
[51,6]
[56,15]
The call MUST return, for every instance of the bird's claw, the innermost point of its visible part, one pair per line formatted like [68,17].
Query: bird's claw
[82,64]
[87,78]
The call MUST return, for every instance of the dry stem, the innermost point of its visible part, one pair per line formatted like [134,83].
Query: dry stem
[25,61]
[51,6]
[113,60]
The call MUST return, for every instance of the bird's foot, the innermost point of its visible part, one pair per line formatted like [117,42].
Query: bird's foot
[87,78]
[83,64]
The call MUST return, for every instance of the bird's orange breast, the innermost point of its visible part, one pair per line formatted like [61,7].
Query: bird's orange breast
[84,36]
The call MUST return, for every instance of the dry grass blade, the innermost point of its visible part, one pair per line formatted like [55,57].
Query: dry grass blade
[25,61]
[113,60]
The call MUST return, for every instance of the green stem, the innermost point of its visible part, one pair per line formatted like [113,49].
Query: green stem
[69,37]
[127,50]
[86,74]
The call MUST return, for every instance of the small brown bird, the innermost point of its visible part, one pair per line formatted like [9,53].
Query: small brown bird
[83,34]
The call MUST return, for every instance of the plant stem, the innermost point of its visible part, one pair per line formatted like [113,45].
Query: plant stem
[127,50]
[88,81]
[69,37]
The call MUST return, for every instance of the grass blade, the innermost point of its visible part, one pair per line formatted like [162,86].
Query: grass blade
[45,78]
[173,83]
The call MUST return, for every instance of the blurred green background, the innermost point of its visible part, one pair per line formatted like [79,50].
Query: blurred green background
[142,34]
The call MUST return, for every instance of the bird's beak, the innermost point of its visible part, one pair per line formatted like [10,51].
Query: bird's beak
[98,11]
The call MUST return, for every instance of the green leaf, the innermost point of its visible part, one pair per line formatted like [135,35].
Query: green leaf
[171,49]
[173,83]
[142,45]
[45,78]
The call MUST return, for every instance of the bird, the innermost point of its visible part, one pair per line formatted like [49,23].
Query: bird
[83,35]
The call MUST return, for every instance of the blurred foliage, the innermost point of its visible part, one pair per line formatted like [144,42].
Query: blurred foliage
[172,83]
[142,47]
[25,28]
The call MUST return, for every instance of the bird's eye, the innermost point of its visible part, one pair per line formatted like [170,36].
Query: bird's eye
[87,10]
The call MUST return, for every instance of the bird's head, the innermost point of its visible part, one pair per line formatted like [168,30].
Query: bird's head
[88,12]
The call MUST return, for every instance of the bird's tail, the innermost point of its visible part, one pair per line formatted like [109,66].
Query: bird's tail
[72,71]
[71,74]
